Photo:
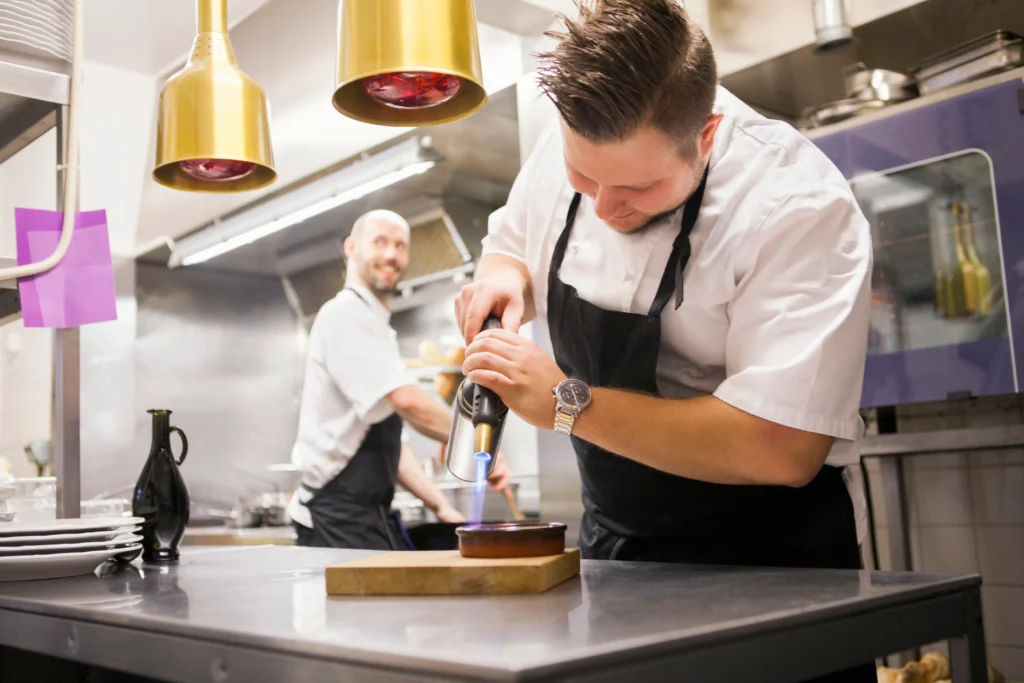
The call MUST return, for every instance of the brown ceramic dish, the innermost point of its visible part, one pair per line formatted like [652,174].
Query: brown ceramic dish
[511,539]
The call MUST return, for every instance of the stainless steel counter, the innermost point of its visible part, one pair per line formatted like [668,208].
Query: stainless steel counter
[261,614]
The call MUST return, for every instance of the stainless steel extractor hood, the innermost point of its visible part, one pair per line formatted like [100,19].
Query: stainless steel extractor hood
[454,176]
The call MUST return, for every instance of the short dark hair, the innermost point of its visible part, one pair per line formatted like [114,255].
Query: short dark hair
[627,63]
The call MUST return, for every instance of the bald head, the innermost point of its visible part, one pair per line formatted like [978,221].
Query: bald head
[378,251]
[372,220]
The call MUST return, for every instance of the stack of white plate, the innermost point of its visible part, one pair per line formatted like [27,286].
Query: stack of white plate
[57,548]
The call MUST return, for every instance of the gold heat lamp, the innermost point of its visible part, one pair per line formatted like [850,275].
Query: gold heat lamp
[213,133]
[408,62]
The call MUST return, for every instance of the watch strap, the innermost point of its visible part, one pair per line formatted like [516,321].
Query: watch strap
[564,421]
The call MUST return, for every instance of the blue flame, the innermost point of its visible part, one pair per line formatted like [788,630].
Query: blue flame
[476,511]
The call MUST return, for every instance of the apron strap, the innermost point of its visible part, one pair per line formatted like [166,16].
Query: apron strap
[358,295]
[672,278]
[563,239]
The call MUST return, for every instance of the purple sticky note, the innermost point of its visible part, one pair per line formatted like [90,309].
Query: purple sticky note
[80,289]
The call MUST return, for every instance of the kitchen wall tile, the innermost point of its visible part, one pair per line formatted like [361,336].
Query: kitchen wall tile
[938,461]
[940,497]
[993,412]
[915,548]
[1003,608]
[910,487]
[946,550]
[1010,456]
[998,494]
[1009,661]
[877,499]
[1001,554]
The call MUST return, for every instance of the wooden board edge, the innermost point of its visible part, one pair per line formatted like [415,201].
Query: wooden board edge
[358,582]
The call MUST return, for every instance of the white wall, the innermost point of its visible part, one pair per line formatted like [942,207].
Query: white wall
[27,180]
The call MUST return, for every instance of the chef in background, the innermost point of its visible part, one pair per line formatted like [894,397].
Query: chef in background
[356,394]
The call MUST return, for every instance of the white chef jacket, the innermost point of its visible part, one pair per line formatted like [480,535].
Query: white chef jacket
[774,319]
[352,364]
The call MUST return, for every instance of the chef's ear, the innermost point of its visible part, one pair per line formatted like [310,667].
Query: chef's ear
[349,247]
[707,136]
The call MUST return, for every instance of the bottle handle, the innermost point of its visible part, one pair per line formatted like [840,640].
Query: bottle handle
[184,445]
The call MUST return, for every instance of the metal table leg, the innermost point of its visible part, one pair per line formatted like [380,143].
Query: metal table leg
[967,657]
[895,501]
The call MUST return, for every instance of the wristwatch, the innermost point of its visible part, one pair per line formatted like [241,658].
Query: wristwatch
[571,397]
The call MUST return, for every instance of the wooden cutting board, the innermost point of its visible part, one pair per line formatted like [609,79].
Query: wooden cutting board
[446,572]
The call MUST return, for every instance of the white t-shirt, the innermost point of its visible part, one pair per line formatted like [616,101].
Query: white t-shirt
[353,363]
[777,289]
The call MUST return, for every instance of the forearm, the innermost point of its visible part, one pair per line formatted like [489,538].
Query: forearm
[506,268]
[701,438]
[426,415]
[415,480]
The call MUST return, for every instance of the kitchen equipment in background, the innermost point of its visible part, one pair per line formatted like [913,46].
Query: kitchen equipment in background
[408,62]
[840,110]
[867,90]
[511,539]
[884,85]
[35,499]
[40,454]
[260,510]
[983,56]
[52,549]
[476,428]
[161,497]
[446,572]
[443,369]
[831,29]
[213,133]
[906,166]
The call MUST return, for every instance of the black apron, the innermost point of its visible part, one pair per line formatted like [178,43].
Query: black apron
[353,510]
[633,512]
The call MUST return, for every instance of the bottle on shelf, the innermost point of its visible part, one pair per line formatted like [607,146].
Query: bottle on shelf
[981,273]
[962,284]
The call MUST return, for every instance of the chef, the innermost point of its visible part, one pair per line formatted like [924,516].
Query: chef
[703,274]
[356,394]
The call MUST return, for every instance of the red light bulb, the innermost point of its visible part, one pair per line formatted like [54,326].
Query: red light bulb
[217,170]
[412,89]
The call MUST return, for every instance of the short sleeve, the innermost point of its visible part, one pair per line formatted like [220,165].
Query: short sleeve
[798,321]
[362,356]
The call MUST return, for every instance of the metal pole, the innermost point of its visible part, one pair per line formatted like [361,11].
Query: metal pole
[894,493]
[66,377]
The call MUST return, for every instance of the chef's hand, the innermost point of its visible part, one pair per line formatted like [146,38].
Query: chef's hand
[518,371]
[449,514]
[500,475]
[500,294]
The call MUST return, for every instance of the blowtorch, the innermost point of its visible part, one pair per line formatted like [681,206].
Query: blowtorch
[476,427]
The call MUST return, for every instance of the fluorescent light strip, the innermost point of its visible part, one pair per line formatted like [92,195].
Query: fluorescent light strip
[296,217]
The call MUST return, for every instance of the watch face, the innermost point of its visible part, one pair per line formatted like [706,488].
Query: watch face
[574,393]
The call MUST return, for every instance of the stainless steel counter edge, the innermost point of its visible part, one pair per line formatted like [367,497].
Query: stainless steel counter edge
[621,653]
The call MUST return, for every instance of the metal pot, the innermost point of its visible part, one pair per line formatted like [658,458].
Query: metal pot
[883,85]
